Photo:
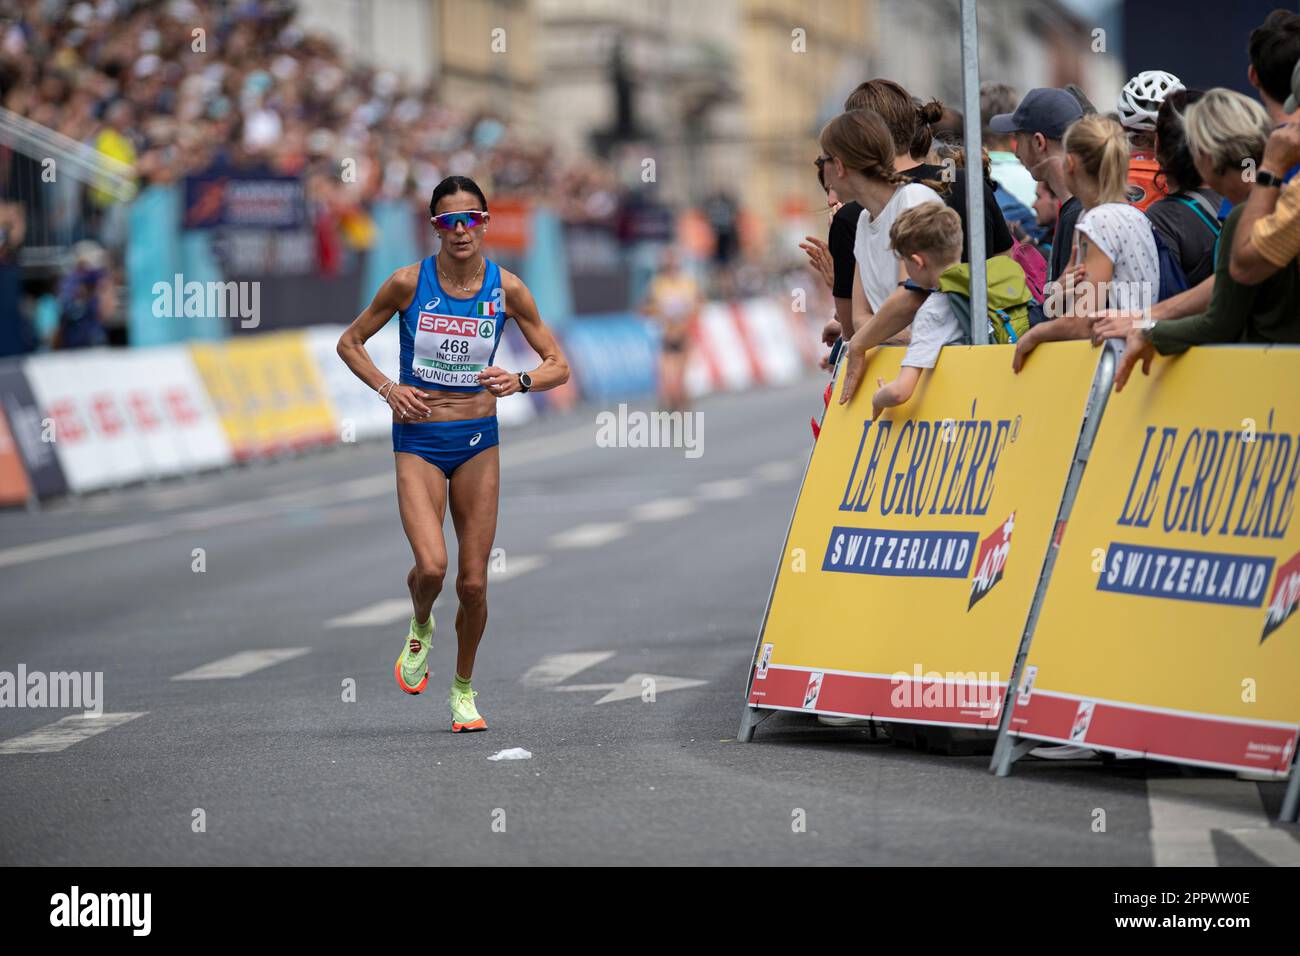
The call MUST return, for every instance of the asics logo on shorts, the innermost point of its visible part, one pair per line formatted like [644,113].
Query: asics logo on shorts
[475,440]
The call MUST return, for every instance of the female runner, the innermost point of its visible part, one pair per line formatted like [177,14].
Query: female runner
[452,307]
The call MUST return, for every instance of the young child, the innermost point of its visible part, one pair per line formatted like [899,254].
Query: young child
[928,238]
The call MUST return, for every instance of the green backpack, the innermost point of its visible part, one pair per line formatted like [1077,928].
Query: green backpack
[1009,299]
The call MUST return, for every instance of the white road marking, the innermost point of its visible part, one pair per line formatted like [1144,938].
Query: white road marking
[243,663]
[389,611]
[1274,846]
[357,489]
[393,610]
[74,543]
[551,446]
[662,509]
[589,535]
[724,488]
[1184,811]
[557,668]
[516,566]
[776,470]
[64,733]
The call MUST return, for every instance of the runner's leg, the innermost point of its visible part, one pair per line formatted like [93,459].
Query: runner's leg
[474,489]
[422,503]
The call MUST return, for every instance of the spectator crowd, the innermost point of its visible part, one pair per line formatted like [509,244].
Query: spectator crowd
[1169,222]
[174,88]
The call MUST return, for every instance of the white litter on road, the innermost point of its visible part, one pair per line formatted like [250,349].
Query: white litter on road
[514,753]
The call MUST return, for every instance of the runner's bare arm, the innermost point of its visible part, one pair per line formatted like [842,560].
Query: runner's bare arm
[393,296]
[554,370]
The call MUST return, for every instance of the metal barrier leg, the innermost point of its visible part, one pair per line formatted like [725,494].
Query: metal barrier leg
[1291,802]
[751,717]
[1006,752]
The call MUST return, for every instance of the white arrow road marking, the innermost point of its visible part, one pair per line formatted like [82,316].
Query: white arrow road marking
[64,733]
[245,662]
[551,671]
[1185,811]
[632,687]
[724,489]
[663,509]
[557,668]
[589,535]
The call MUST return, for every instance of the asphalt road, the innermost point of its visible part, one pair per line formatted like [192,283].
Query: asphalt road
[648,561]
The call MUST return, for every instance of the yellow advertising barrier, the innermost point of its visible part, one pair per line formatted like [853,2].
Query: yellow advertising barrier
[1167,625]
[917,542]
[268,392]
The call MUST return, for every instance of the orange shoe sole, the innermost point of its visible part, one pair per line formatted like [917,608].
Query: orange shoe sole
[397,672]
[473,725]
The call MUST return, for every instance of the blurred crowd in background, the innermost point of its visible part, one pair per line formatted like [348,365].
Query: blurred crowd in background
[179,88]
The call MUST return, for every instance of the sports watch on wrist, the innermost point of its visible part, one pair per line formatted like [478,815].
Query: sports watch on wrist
[1264,178]
[525,381]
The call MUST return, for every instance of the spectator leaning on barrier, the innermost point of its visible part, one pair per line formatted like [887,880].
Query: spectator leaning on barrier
[1187,217]
[858,156]
[1138,106]
[1015,190]
[1227,133]
[1117,267]
[1268,233]
[927,238]
[1038,126]
[837,252]
[893,105]
[1046,209]
[1007,169]
[897,108]
[1273,50]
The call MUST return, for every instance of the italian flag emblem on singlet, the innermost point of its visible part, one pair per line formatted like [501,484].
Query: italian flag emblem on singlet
[487,308]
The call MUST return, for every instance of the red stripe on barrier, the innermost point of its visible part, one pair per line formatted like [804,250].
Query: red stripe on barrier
[881,698]
[742,334]
[1230,744]
[702,349]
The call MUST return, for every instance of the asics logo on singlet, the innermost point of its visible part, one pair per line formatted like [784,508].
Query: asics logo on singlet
[432,303]
[475,440]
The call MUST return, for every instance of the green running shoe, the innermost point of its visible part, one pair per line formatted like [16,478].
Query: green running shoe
[412,667]
[464,715]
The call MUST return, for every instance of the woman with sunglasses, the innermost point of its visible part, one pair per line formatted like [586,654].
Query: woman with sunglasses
[452,307]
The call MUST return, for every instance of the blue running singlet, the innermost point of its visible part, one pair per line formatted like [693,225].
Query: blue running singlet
[446,341]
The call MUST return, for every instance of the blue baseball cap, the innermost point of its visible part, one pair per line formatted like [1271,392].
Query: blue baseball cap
[1043,110]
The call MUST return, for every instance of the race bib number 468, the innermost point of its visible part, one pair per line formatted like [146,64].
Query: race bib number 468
[451,349]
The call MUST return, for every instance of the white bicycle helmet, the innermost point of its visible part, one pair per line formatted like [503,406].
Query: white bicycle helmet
[1140,100]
